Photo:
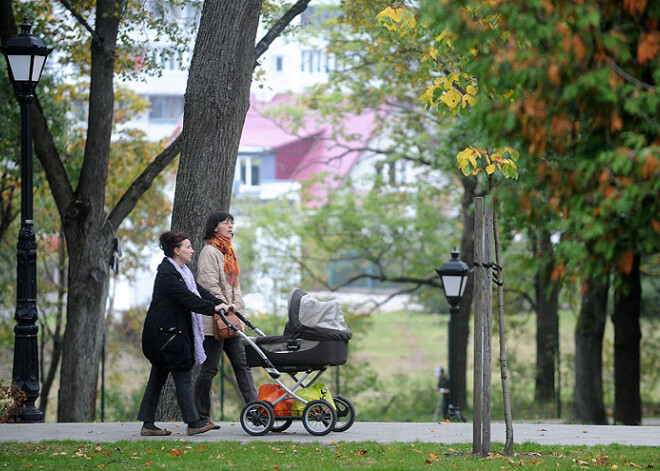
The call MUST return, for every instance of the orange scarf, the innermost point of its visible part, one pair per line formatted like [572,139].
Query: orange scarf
[224,245]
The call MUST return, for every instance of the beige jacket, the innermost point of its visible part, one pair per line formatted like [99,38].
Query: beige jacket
[211,275]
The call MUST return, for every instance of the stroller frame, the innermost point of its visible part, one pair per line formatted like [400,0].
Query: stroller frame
[319,417]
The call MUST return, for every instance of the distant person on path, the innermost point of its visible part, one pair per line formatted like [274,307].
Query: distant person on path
[172,336]
[443,388]
[218,271]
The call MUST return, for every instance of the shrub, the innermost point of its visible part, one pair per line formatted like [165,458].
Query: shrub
[11,400]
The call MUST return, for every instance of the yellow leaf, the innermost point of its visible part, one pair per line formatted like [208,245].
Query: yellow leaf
[452,98]
[490,169]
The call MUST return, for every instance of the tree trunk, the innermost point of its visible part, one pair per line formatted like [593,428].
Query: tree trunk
[588,405]
[470,190]
[504,372]
[89,235]
[217,100]
[547,306]
[627,337]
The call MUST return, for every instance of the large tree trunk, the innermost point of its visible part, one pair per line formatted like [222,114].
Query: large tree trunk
[217,100]
[89,235]
[588,405]
[470,190]
[627,337]
[547,305]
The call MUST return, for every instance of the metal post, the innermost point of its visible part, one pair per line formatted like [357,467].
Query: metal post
[26,357]
[453,413]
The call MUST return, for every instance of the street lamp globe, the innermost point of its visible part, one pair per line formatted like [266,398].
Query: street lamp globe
[26,56]
[454,274]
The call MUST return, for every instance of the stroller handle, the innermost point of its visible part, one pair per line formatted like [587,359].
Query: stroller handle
[242,318]
[272,371]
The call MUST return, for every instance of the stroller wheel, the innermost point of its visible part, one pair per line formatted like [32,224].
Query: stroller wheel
[280,425]
[257,418]
[319,417]
[345,414]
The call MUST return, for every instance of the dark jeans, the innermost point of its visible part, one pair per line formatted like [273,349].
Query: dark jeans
[235,351]
[184,397]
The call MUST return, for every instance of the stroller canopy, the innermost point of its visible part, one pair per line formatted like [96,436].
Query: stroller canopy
[312,319]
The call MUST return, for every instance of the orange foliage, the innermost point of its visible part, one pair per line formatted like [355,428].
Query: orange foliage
[616,123]
[548,6]
[648,46]
[650,167]
[609,191]
[558,272]
[553,74]
[561,126]
[626,262]
[634,7]
[578,46]
[656,225]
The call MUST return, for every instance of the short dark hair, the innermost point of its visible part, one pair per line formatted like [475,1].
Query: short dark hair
[212,222]
[170,240]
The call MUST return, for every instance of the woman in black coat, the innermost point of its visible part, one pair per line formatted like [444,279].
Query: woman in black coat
[171,337]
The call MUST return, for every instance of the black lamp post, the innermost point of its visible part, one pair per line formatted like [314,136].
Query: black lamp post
[454,274]
[26,56]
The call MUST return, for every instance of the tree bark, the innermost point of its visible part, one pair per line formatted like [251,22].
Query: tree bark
[588,407]
[89,234]
[627,337]
[504,372]
[216,103]
[470,190]
[547,306]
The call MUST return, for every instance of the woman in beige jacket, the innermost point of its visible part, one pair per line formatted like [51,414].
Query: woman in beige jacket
[218,271]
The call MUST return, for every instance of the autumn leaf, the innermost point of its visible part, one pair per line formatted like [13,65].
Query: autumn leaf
[616,123]
[558,272]
[553,73]
[626,262]
[647,47]
[634,7]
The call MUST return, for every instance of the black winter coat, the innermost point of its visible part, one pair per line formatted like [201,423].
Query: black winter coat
[167,337]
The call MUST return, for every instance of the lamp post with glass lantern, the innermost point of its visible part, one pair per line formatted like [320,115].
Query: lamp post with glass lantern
[454,274]
[26,56]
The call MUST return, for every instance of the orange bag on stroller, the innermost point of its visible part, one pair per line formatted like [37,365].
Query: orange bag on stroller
[271,393]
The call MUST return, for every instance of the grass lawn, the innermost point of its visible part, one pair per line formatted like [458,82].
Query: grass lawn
[279,456]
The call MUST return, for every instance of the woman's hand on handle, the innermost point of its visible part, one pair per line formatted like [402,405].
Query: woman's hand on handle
[222,307]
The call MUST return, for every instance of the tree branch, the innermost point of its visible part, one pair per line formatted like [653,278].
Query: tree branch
[278,27]
[630,78]
[78,17]
[142,183]
[47,153]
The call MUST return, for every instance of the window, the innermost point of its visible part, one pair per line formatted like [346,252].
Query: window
[311,61]
[317,61]
[166,108]
[250,170]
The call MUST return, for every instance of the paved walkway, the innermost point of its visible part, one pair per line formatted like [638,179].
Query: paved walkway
[383,432]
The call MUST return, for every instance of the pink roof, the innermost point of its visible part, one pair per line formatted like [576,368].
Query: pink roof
[312,150]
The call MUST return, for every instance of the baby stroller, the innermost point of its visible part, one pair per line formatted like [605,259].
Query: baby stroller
[315,337]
